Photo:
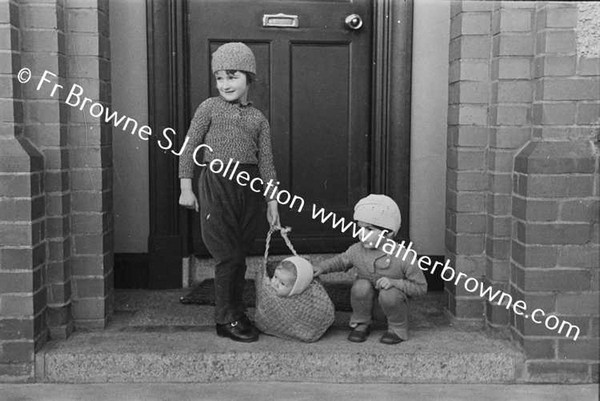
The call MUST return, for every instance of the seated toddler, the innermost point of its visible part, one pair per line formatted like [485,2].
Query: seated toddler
[380,275]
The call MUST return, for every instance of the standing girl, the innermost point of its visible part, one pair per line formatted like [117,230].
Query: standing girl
[230,127]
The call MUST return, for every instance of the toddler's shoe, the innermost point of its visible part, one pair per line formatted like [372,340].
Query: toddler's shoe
[390,338]
[359,334]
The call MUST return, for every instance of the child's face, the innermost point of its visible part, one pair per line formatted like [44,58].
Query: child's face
[369,241]
[232,87]
[282,282]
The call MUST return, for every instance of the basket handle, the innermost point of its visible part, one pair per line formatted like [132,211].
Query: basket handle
[283,232]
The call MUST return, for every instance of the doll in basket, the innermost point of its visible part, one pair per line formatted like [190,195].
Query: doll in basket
[292,276]
[290,304]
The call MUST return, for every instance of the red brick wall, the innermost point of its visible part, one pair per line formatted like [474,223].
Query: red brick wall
[524,113]
[22,218]
[43,48]
[555,257]
[468,132]
[90,154]
[513,49]
[55,178]
[555,250]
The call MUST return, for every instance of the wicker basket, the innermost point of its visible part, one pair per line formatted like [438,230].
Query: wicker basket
[303,317]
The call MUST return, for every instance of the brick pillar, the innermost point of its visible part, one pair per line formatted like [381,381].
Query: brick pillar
[90,154]
[555,249]
[468,131]
[510,125]
[45,126]
[22,218]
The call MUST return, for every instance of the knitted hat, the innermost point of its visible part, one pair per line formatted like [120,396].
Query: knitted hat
[304,274]
[233,56]
[379,210]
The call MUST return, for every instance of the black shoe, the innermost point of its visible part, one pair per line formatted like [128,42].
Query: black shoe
[359,334]
[235,332]
[246,325]
[390,338]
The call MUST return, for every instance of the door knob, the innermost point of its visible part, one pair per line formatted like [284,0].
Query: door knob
[354,22]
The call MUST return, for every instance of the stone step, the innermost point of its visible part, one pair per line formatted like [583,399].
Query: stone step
[153,338]
[165,355]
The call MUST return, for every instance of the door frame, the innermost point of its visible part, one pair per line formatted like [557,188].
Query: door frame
[168,103]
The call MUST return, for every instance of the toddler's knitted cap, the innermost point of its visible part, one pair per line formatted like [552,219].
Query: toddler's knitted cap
[379,210]
[304,274]
[233,56]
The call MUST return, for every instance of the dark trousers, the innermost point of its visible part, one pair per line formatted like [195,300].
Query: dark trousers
[230,214]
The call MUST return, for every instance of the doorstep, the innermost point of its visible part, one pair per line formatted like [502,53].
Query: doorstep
[154,338]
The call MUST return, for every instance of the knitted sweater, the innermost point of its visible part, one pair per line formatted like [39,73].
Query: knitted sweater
[233,130]
[372,264]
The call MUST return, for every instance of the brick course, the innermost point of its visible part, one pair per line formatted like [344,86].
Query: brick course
[510,117]
[468,137]
[90,155]
[22,248]
[540,194]
[44,45]
[44,212]
[554,251]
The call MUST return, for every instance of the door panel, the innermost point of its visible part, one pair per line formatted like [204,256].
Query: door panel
[314,86]
[319,116]
[181,35]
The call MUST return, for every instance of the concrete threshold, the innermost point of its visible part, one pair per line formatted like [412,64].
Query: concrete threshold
[153,338]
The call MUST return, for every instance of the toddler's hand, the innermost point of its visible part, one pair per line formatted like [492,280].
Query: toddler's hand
[384,283]
[317,271]
[189,200]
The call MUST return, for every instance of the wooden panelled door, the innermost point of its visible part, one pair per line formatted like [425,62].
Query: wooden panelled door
[337,99]
[314,86]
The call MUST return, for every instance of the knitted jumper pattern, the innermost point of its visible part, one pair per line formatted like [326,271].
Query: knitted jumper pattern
[372,264]
[233,131]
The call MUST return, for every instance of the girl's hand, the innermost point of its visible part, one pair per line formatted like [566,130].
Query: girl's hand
[317,271]
[189,200]
[384,283]
[273,214]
